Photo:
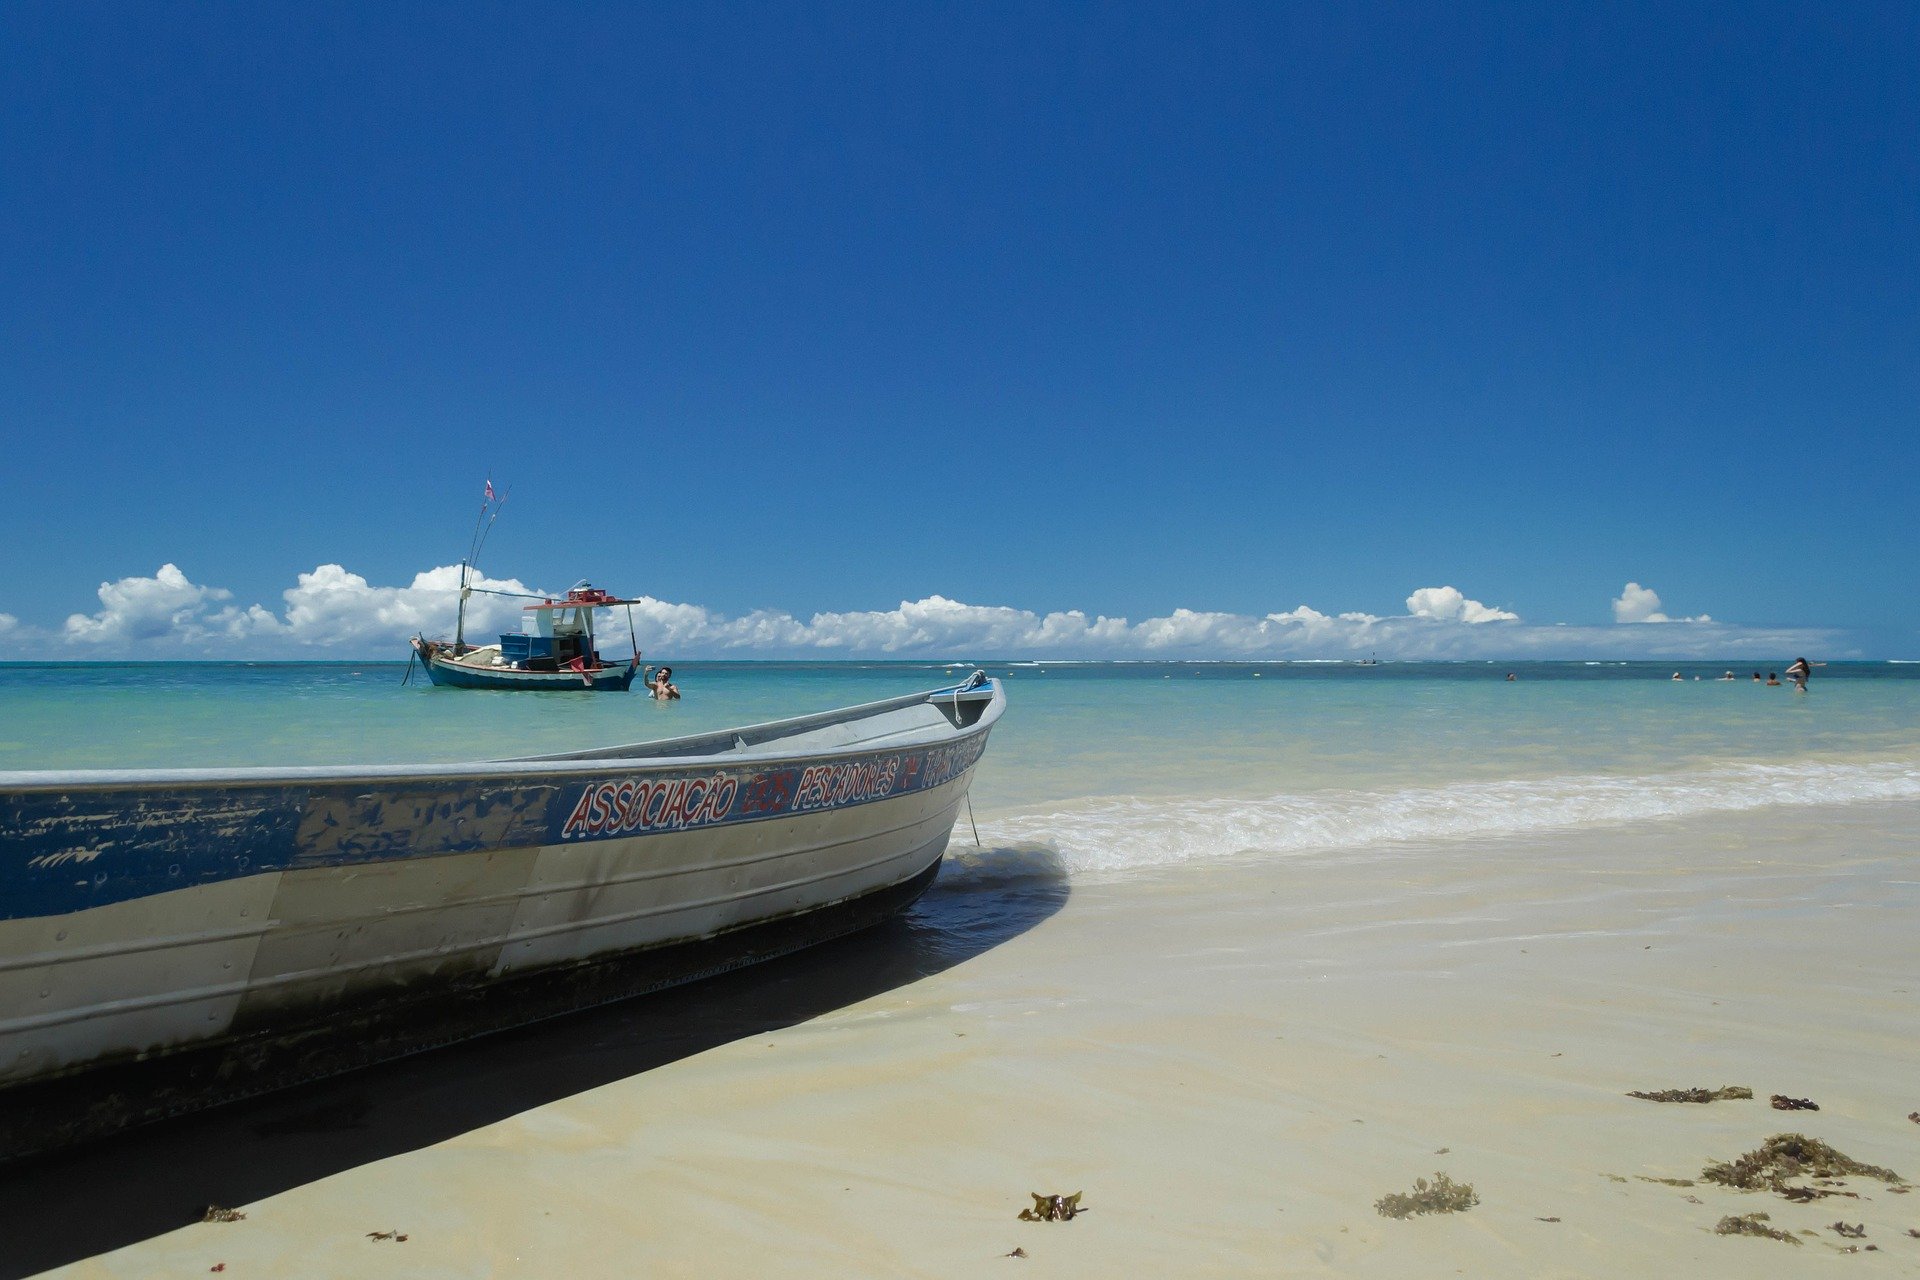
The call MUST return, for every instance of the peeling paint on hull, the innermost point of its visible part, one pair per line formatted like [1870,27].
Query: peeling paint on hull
[216,932]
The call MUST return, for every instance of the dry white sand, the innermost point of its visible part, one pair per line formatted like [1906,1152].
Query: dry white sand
[1233,1061]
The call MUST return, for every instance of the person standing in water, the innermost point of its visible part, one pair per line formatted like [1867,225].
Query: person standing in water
[1800,672]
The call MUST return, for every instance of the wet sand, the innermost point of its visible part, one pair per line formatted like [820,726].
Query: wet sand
[1233,1060]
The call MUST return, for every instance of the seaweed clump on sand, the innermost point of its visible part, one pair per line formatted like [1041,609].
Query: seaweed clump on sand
[1751,1224]
[1726,1094]
[1442,1195]
[1053,1208]
[1785,1156]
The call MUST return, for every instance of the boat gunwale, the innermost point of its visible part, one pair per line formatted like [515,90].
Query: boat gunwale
[655,754]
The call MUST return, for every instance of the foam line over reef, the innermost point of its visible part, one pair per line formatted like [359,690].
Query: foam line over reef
[1118,834]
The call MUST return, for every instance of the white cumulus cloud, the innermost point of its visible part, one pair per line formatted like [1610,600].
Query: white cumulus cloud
[327,608]
[1447,604]
[331,610]
[333,607]
[165,606]
[1642,604]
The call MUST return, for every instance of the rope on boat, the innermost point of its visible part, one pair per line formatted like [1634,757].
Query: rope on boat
[973,681]
[517,595]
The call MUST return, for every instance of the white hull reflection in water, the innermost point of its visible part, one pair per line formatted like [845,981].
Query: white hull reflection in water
[174,938]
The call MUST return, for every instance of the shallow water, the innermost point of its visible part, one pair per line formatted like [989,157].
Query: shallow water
[1111,764]
[1246,948]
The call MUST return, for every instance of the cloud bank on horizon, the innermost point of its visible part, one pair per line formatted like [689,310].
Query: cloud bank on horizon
[331,611]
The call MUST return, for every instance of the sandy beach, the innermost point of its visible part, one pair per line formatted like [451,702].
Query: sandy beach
[1232,1061]
[507,508]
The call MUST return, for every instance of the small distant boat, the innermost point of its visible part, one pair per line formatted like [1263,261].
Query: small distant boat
[555,648]
[170,939]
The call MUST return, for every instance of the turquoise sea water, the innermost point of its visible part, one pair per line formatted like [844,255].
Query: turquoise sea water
[1115,764]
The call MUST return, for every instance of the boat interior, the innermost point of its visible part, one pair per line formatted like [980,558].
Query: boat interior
[913,719]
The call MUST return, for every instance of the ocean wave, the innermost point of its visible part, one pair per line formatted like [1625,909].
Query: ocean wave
[1119,834]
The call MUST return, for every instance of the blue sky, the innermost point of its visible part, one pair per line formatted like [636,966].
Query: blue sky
[787,310]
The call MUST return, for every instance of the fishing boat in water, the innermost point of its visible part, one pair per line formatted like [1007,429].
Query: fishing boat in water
[170,939]
[555,649]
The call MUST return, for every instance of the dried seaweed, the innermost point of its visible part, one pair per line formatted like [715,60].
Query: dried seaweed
[1666,1182]
[215,1213]
[1442,1195]
[1781,1102]
[1807,1195]
[1052,1208]
[1856,1231]
[1751,1224]
[1724,1094]
[1769,1166]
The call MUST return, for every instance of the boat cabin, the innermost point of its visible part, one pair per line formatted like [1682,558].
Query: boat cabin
[556,632]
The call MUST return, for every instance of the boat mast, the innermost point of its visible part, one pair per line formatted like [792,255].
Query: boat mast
[489,512]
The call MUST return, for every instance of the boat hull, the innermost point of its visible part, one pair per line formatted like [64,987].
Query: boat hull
[451,674]
[46,1116]
[225,933]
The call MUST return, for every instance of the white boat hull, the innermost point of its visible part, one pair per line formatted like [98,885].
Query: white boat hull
[404,903]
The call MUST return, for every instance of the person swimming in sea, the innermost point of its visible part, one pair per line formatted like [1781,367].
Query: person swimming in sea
[1800,672]
[1773,679]
[663,687]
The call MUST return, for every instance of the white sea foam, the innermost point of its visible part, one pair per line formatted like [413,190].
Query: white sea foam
[1118,834]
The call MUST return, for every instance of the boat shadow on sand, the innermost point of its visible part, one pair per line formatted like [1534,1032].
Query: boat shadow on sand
[81,1203]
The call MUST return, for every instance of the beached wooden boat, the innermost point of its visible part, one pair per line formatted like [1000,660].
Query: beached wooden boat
[170,939]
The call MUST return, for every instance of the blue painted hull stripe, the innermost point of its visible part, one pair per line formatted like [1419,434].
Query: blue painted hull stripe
[453,676]
[67,851]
